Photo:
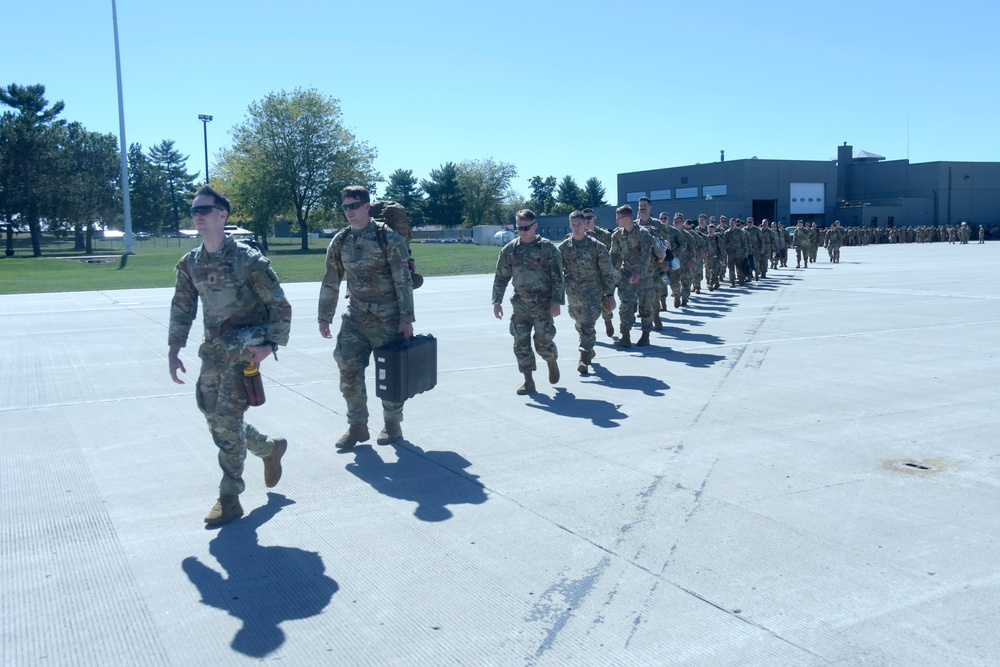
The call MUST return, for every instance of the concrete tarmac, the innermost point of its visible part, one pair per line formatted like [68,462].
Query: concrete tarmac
[800,472]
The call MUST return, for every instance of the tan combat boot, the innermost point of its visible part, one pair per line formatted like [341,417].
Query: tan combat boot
[355,434]
[553,371]
[390,433]
[227,508]
[624,341]
[272,462]
[528,387]
[609,328]
[581,367]
[643,339]
[657,323]
[677,301]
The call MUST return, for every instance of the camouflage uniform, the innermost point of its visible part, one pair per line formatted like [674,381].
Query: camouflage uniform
[764,256]
[635,252]
[834,239]
[375,263]
[756,247]
[604,236]
[659,231]
[715,260]
[678,244]
[535,269]
[589,281]
[737,248]
[243,304]
[801,241]
[701,250]
[814,238]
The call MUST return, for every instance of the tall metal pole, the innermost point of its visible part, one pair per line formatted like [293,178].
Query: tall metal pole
[205,118]
[128,239]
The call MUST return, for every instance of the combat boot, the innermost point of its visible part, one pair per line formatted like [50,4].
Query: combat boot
[624,341]
[657,323]
[609,328]
[391,432]
[529,385]
[677,301]
[581,367]
[272,462]
[355,434]
[553,371]
[227,508]
[643,339]
[684,301]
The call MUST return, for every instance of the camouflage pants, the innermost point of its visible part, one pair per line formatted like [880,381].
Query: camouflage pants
[813,249]
[222,398]
[699,271]
[687,273]
[675,281]
[735,264]
[639,296]
[585,309]
[528,315]
[834,253]
[360,333]
[714,269]
[762,258]
[801,254]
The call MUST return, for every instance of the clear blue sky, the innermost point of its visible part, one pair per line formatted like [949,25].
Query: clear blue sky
[580,88]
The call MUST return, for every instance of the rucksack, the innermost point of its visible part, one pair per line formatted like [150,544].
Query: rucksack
[391,215]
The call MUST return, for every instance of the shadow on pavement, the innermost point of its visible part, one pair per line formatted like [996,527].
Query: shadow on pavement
[600,413]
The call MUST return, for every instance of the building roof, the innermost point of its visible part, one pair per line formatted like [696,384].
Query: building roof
[865,155]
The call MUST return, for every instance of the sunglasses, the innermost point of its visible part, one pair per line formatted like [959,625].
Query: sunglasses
[202,210]
[353,207]
[525,228]
[590,217]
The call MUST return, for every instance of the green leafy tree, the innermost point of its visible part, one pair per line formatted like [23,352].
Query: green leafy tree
[444,203]
[405,189]
[485,185]
[295,154]
[180,185]
[542,201]
[593,193]
[569,194]
[90,187]
[29,172]
[147,185]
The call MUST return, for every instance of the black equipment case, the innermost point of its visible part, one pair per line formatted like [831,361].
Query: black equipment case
[406,368]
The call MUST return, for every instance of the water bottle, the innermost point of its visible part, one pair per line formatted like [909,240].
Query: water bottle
[254,384]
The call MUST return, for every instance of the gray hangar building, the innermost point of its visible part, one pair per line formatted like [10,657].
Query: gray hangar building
[858,188]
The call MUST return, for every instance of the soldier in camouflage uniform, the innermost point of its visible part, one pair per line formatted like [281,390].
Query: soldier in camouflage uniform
[634,254]
[686,256]
[654,227]
[699,233]
[814,239]
[737,249]
[801,241]
[590,283]
[534,266]
[604,236]
[835,239]
[373,259]
[715,259]
[756,246]
[246,317]
[677,243]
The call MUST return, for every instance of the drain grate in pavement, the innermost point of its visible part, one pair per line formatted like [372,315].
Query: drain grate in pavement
[918,466]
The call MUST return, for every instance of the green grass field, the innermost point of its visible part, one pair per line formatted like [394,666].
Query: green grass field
[153,263]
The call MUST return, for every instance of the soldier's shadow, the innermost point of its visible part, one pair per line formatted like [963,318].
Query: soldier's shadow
[650,386]
[433,480]
[682,334]
[693,359]
[263,586]
[600,413]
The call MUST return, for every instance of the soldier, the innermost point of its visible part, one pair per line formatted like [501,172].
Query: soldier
[756,246]
[737,249]
[634,253]
[982,233]
[700,236]
[590,283]
[767,248]
[715,259]
[676,243]
[654,227]
[373,259]
[814,239]
[801,241]
[534,266]
[835,239]
[604,236]
[246,317]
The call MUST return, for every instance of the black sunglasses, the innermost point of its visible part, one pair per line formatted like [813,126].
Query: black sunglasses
[203,210]
[353,207]
[590,217]
[526,228]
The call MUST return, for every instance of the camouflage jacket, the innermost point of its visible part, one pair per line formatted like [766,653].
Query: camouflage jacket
[801,239]
[238,290]
[534,269]
[587,268]
[602,235]
[737,242]
[716,247]
[678,243]
[635,251]
[378,278]
[756,239]
[835,237]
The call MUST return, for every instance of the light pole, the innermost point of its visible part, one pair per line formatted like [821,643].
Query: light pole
[205,119]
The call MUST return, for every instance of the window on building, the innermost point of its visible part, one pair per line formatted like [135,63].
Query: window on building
[684,180]
[714,190]
[634,196]
[686,193]
[659,194]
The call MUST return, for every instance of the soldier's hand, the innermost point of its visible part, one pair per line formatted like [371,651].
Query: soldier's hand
[175,365]
[406,328]
[498,311]
[259,352]
[554,309]
[324,330]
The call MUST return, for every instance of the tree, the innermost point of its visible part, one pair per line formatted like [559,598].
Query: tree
[28,174]
[542,201]
[147,186]
[180,185]
[294,154]
[569,194]
[593,193]
[484,184]
[404,188]
[444,203]
[90,185]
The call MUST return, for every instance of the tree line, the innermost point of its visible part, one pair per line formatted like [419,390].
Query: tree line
[289,159]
